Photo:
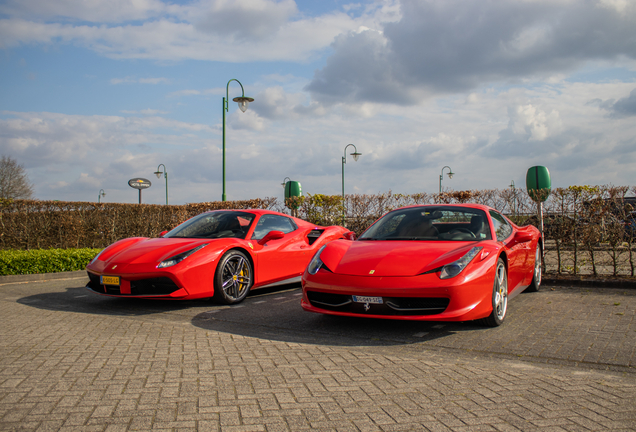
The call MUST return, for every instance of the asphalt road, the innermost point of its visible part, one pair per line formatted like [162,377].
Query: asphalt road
[565,359]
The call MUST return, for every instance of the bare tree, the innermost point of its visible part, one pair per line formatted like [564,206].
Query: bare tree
[14,182]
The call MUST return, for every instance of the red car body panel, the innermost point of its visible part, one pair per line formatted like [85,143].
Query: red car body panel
[135,260]
[411,270]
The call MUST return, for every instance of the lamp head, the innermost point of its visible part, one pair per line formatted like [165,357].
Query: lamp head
[355,155]
[451,174]
[158,173]
[243,102]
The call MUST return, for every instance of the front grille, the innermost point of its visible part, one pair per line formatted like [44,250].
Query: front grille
[328,300]
[389,306]
[160,286]
[153,286]
[93,284]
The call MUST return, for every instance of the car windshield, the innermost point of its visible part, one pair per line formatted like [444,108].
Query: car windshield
[443,223]
[218,224]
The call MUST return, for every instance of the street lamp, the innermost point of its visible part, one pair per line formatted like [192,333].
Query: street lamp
[285,182]
[355,155]
[100,194]
[243,102]
[450,176]
[165,174]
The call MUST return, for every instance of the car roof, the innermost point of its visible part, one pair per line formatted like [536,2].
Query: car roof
[255,211]
[466,205]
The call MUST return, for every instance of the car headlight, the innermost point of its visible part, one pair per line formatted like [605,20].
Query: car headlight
[316,262]
[456,267]
[180,257]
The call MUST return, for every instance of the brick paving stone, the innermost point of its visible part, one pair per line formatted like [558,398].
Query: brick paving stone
[564,360]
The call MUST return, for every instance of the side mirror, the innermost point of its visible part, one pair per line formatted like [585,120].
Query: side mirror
[272,235]
[522,237]
[350,235]
[162,233]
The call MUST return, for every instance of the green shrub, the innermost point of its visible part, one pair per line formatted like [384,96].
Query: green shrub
[17,262]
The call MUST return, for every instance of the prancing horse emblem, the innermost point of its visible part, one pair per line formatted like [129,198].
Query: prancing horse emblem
[367,307]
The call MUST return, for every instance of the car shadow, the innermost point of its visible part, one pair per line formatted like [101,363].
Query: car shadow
[83,300]
[271,314]
[279,317]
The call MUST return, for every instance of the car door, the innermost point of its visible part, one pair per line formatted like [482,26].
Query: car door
[281,258]
[517,251]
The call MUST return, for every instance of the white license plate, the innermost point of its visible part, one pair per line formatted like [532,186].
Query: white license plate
[109,280]
[366,299]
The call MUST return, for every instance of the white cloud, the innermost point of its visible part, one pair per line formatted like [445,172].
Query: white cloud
[532,122]
[447,46]
[246,20]
[218,30]
[483,137]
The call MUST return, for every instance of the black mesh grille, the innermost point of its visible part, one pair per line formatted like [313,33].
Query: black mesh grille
[435,304]
[153,286]
[327,299]
[389,306]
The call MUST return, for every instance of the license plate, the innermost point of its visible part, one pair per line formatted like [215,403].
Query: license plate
[366,299]
[109,280]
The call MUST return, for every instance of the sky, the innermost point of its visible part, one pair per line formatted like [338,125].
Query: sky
[94,93]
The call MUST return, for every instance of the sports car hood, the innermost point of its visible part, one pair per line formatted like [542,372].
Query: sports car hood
[147,251]
[390,258]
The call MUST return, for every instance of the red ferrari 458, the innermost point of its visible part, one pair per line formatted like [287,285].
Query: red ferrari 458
[450,262]
[220,254]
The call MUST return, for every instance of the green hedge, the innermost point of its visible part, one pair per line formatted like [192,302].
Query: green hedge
[17,262]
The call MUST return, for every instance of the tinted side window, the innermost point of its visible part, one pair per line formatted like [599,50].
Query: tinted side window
[269,223]
[502,228]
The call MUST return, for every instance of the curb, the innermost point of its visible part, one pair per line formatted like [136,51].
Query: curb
[41,277]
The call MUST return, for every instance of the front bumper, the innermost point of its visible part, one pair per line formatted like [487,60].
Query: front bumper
[423,297]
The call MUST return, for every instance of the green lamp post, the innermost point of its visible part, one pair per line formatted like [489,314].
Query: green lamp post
[441,176]
[165,174]
[355,155]
[243,102]
[100,194]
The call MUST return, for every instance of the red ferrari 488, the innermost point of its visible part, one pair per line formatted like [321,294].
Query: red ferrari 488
[220,254]
[454,262]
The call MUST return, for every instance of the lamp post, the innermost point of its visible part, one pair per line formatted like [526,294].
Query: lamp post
[243,102]
[165,174]
[441,176]
[285,182]
[100,194]
[355,155]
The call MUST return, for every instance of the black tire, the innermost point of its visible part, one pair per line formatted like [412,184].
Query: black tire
[535,284]
[499,296]
[233,278]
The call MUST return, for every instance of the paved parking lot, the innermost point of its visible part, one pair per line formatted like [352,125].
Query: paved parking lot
[71,360]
